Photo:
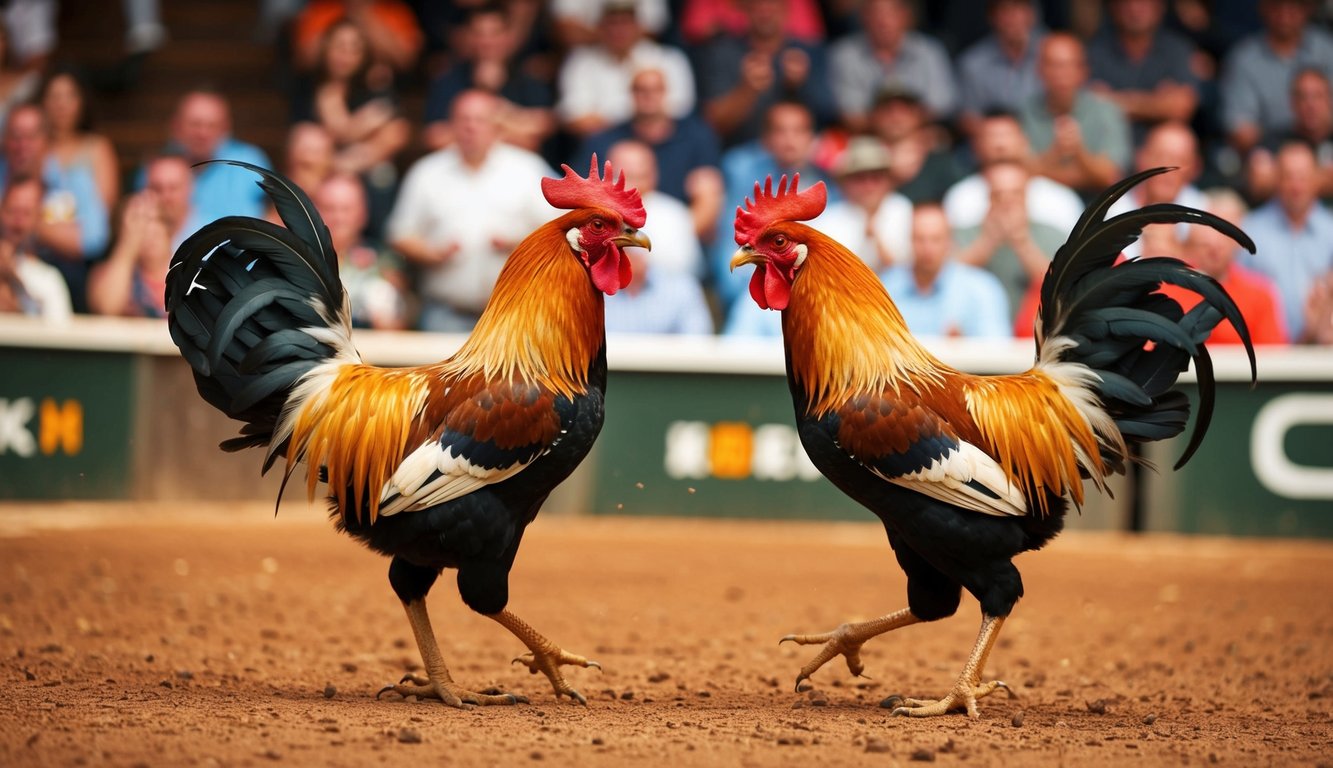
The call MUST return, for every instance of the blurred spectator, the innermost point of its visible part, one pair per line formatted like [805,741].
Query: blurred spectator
[686,149]
[702,20]
[999,72]
[1214,254]
[1294,236]
[920,161]
[368,131]
[73,144]
[1009,242]
[871,220]
[171,188]
[28,286]
[786,147]
[1257,73]
[390,26]
[675,248]
[32,32]
[658,300]
[17,84]
[1169,145]
[594,81]
[1145,68]
[461,210]
[888,50]
[577,21]
[1312,123]
[748,319]
[741,76]
[143,26]
[374,280]
[1319,312]
[939,296]
[998,139]
[1081,139]
[73,228]
[487,62]
[308,159]
[200,131]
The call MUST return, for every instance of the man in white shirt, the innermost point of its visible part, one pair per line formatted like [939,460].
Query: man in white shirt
[461,211]
[28,285]
[675,247]
[872,220]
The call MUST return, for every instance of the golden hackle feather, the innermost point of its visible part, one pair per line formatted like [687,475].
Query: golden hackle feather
[845,336]
[543,324]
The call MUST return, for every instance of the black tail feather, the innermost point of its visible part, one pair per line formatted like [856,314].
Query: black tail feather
[242,294]
[1136,339]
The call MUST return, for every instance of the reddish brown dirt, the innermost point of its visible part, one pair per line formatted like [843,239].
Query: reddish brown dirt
[133,636]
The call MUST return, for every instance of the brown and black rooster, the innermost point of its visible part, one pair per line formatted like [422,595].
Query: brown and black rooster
[968,471]
[438,466]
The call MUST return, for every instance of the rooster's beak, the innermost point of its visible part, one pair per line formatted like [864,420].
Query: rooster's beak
[633,237]
[745,255]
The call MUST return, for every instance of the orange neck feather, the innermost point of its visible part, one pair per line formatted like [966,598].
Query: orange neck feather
[843,332]
[544,322]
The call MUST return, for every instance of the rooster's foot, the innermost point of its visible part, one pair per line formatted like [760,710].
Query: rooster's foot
[846,641]
[963,697]
[449,692]
[549,661]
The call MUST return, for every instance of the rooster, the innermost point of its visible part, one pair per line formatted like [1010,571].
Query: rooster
[438,466]
[968,471]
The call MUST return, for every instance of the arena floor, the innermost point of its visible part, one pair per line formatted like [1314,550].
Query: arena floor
[157,636]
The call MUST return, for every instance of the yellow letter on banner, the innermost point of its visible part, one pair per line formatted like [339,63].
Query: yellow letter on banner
[61,426]
[730,450]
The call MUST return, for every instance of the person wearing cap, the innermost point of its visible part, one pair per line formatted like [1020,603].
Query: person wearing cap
[1000,70]
[871,220]
[921,160]
[887,48]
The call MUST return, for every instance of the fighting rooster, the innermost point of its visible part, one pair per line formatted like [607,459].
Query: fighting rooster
[968,471]
[438,466]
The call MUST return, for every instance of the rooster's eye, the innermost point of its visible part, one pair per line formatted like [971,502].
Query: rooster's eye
[780,241]
[597,224]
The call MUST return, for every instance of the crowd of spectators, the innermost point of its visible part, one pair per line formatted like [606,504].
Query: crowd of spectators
[959,149]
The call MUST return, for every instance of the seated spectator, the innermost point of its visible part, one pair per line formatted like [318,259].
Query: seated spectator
[686,150]
[999,72]
[576,21]
[888,50]
[375,283]
[73,144]
[17,84]
[1257,72]
[368,131]
[594,81]
[741,76]
[749,320]
[871,220]
[28,285]
[1144,68]
[390,26]
[1000,139]
[1080,139]
[1319,312]
[1169,145]
[1312,123]
[920,160]
[786,147]
[1293,233]
[132,280]
[488,62]
[675,248]
[308,160]
[461,210]
[939,296]
[1214,254]
[201,131]
[1009,242]
[73,228]
[658,300]
[702,20]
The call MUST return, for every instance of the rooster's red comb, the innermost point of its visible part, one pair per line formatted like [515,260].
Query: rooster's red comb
[574,191]
[786,205]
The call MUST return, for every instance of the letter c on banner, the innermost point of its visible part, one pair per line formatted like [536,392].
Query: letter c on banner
[1275,470]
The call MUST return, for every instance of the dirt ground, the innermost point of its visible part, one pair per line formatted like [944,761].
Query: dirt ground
[221,636]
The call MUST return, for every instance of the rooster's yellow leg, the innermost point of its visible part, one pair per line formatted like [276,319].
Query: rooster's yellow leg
[969,687]
[438,684]
[543,655]
[846,641]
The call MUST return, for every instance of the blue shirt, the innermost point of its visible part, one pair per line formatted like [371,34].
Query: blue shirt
[666,302]
[1291,258]
[747,318]
[692,145]
[1255,82]
[988,79]
[718,67]
[964,301]
[225,190]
